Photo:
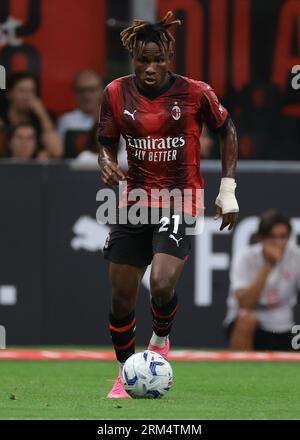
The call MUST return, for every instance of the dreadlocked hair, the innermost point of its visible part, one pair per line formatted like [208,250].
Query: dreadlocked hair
[145,32]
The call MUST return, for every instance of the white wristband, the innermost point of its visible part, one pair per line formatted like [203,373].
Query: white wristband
[226,198]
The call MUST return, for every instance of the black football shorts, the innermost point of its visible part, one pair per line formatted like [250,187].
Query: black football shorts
[136,244]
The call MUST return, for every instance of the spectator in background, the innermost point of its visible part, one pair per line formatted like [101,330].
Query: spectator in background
[88,92]
[89,155]
[23,142]
[23,105]
[264,282]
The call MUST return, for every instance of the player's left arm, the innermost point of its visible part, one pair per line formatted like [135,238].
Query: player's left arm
[226,203]
[218,120]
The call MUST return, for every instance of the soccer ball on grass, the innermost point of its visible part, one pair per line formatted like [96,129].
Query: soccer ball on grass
[147,374]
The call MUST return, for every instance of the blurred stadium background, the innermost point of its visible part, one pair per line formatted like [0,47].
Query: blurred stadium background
[54,287]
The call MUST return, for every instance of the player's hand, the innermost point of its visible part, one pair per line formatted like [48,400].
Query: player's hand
[228,219]
[111,173]
[226,203]
[272,254]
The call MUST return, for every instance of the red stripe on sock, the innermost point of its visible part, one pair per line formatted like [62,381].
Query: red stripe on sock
[162,328]
[122,329]
[163,316]
[124,347]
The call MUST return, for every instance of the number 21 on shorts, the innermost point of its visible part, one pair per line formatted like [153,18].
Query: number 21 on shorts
[165,221]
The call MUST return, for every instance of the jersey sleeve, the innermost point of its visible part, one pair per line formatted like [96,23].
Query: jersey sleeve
[108,131]
[213,113]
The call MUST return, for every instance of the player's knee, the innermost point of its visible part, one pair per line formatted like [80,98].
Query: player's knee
[246,321]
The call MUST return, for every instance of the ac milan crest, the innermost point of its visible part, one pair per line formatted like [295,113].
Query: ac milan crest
[176,112]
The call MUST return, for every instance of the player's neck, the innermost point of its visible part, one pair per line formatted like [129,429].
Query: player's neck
[154,92]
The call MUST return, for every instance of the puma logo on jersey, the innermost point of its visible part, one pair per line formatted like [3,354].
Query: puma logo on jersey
[126,112]
[174,238]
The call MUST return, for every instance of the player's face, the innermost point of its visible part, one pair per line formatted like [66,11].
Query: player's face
[151,66]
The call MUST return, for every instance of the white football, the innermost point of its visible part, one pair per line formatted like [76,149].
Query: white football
[147,374]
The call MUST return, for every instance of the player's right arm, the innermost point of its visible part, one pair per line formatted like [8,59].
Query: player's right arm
[108,137]
[110,171]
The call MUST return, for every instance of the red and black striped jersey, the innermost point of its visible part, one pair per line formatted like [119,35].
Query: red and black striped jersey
[162,131]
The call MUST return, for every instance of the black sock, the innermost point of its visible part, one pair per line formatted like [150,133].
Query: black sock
[122,333]
[163,316]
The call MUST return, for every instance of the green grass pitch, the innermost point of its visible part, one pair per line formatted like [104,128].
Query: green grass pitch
[206,390]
